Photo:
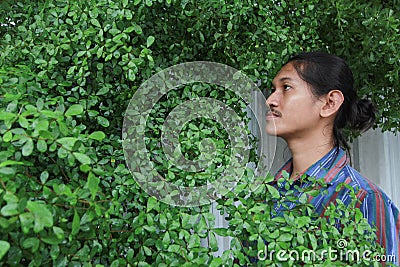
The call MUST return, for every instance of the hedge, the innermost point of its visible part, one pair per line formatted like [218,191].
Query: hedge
[68,70]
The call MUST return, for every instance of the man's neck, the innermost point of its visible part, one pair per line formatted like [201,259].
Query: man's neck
[305,155]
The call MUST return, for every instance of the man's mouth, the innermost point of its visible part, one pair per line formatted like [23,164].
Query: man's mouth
[272,114]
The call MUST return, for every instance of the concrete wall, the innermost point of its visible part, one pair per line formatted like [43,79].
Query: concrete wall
[377,156]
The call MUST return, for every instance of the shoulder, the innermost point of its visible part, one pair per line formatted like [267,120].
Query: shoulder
[370,193]
[355,179]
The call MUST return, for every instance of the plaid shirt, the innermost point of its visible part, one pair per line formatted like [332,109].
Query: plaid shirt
[375,205]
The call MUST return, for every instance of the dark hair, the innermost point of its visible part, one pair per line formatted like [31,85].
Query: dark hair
[326,72]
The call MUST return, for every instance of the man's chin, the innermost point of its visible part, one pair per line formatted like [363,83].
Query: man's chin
[271,131]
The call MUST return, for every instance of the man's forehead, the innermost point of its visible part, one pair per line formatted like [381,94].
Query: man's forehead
[282,79]
[287,73]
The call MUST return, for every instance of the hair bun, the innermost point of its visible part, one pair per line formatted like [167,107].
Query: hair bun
[363,116]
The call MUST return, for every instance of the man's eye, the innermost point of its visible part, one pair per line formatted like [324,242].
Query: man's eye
[287,87]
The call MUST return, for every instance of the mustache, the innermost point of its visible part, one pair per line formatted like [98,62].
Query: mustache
[274,112]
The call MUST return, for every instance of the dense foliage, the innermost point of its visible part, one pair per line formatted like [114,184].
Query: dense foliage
[67,72]
[268,230]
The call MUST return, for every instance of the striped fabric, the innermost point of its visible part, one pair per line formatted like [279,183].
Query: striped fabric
[375,205]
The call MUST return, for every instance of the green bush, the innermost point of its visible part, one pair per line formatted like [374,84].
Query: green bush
[296,236]
[67,72]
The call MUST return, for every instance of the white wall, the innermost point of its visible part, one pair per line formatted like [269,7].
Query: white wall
[376,155]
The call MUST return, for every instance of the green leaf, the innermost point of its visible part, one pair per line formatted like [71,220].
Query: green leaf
[150,41]
[80,53]
[10,163]
[193,127]
[194,241]
[10,197]
[103,121]
[44,176]
[221,231]
[201,37]
[303,198]
[303,221]
[4,247]
[27,149]
[82,158]
[95,22]
[130,29]
[42,125]
[42,216]
[62,153]
[76,221]
[4,115]
[285,237]
[10,209]
[49,113]
[41,145]
[73,110]
[100,52]
[300,237]
[7,137]
[358,215]
[26,219]
[131,75]
[85,168]
[13,80]
[31,242]
[39,103]
[92,184]
[229,27]
[147,251]
[313,241]
[274,234]
[274,192]
[46,135]
[23,122]
[115,263]
[166,241]
[213,242]
[152,204]
[98,135]
[103,90]
[51,240]
[59,232]
[7,171]
[67,142]
[216,262]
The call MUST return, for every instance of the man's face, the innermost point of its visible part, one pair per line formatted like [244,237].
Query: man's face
[295,111]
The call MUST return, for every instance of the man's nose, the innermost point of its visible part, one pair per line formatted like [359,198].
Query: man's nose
[272,100]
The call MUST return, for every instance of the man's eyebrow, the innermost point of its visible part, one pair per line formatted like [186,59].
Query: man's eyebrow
[282,80]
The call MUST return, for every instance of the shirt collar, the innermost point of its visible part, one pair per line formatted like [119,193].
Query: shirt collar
[327,167]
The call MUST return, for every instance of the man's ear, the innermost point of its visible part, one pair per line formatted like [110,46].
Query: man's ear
[331,103]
